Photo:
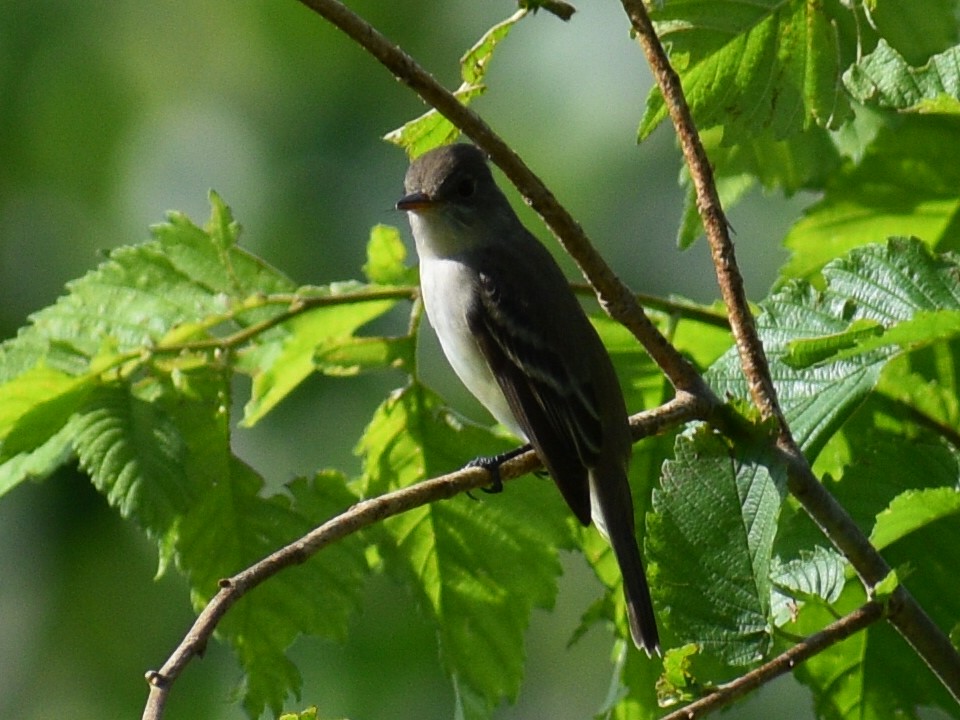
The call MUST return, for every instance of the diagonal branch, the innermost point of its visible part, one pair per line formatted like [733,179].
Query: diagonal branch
[858,620]
[352,520]
[906,614]
[614,295]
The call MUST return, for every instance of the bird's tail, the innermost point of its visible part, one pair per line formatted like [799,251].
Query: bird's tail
[613,513]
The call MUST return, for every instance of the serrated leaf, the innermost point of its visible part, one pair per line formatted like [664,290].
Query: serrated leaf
[754,67]
[819,574]
[474,63]
[232,527]
[431,129]
[885,79]
[477,569]
[135,455]
[186,279]
[903,185]
[884,285]
[710,540]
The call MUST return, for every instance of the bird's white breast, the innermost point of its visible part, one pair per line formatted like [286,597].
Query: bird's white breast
[447,286]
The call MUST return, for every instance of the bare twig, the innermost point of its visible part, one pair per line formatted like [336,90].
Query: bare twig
[711,212]
[355,518]
[723,695]
[906,615]
[614,296]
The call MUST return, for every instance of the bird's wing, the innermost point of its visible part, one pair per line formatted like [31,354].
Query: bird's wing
[547,389]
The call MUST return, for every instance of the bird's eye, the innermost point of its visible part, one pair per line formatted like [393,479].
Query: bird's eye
[466,187]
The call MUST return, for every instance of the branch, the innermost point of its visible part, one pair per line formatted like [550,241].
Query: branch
[613,294]
[354,519]
[711,212]
[906,615]
[836,632]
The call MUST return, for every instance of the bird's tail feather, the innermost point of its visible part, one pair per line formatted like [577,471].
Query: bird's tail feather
[613,514]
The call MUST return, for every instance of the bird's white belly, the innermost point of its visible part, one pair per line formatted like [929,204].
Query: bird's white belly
[447,286]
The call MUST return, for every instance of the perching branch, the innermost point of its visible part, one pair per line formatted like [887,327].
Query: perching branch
[352,520]
[906,614]
[614,295]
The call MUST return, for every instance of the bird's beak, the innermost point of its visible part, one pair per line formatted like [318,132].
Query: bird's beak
[415,201]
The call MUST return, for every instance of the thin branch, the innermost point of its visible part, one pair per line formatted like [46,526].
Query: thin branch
[711,212]
[906,615]
[724,695]
[359,516]
[614,295]
[684,309]
[297,305]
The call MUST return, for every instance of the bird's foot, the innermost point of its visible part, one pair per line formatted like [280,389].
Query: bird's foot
[492,463]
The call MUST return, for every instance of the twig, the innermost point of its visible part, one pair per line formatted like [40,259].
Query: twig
[723,695]
[711,212]
[680,308]
[906,615]
[352,520]
[613,294]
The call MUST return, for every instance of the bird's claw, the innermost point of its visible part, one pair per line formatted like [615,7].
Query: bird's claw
[492,466]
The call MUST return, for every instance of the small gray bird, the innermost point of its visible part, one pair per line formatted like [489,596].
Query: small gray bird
[519,340]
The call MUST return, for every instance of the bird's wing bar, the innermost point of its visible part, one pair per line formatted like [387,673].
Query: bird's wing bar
[556,410]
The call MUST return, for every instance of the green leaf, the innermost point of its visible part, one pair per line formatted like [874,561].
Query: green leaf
[233,526]
[357,355]
[710,540]
[807,352]
[432,129]
[924,328]
[186,282]
[386,258]
[927,380]
[917,29]
[284,359]
[815,574]
[903,185]
[678,684]
[884,78]
[35,405]
[873,285]
[858,676]
[136,456]
[883,590]
[476,569]
[474,63]
[754,67]
[913,510]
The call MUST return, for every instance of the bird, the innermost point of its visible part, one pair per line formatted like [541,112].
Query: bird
[518,339]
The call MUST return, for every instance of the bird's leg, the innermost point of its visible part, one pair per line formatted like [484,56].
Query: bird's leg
[492,463]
